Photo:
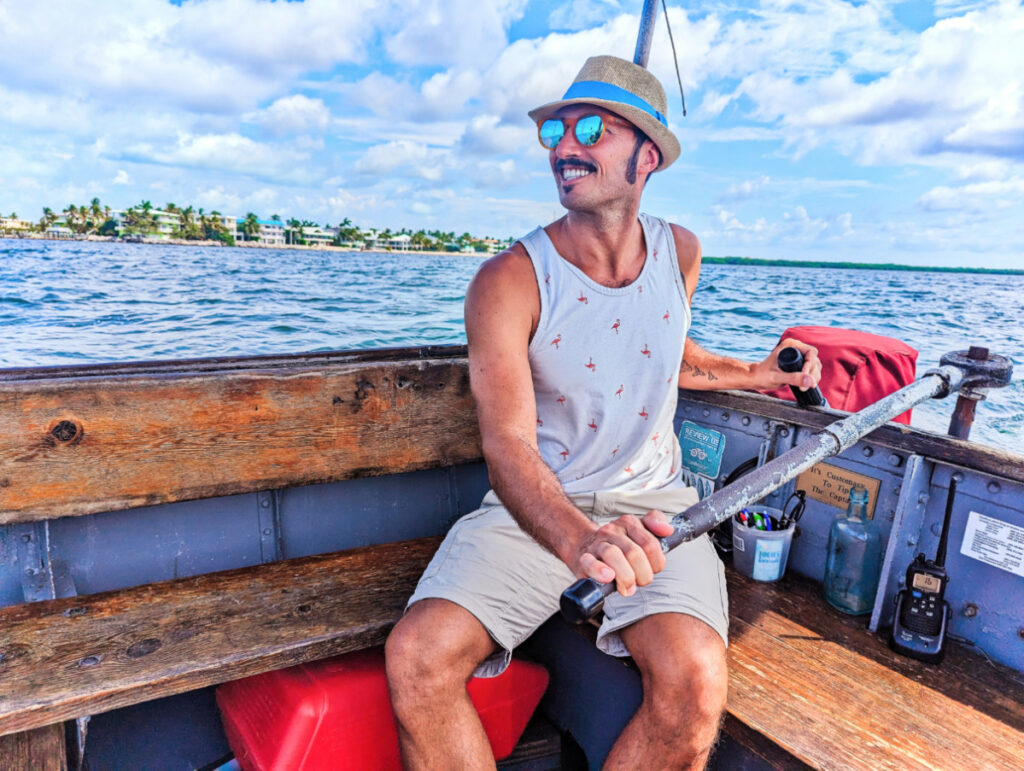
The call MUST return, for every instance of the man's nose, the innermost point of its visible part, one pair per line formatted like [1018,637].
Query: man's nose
[568,146]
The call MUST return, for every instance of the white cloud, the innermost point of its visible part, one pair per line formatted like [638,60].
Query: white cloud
[791,227]
[292,115]
[746,189]
[580,14]
[486,135]
[227,152]
[978,197]
[405,157]
[234,204]
[122,178]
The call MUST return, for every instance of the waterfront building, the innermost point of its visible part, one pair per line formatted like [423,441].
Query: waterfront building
[401,242]
[317,236]
[59,230]
[230,224]
[14,225]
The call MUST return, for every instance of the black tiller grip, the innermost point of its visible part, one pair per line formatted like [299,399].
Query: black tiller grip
[584,600]
[792,360]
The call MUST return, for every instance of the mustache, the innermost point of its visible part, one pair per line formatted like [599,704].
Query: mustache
[573,163]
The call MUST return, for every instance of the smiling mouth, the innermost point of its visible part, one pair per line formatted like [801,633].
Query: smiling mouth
[569,171]
[574,172]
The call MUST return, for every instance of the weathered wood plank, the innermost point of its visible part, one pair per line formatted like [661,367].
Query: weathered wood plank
[80,445]
[41,749]
[61,659]
[831,693]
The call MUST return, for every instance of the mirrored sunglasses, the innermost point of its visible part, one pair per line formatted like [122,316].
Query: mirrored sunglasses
[588,129]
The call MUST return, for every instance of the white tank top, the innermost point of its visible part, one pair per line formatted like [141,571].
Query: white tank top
[605,365]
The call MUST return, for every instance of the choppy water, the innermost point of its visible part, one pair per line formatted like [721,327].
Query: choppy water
[77,302]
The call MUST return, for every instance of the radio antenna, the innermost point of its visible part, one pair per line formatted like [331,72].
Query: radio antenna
[648,17]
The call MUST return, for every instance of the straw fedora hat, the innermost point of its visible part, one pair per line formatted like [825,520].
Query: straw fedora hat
[626,89]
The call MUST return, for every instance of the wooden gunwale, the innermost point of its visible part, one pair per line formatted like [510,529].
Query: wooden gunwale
[84,440]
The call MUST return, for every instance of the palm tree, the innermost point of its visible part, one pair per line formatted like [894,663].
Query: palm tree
[251,226]
[293,233]
[95,212]
[47,219]
[187,226]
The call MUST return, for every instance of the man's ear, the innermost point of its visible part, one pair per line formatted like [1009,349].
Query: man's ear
[649,159]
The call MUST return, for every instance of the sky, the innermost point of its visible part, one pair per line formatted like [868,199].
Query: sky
[816,129]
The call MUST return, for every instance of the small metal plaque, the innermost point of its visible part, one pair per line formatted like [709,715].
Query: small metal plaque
[831,484]
[702,449]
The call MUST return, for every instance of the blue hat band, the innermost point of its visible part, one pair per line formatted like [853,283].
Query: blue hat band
[596,89]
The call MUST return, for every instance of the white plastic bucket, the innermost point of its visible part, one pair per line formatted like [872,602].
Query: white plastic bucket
[761,554]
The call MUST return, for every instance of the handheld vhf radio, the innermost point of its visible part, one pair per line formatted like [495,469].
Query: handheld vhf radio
[922,613]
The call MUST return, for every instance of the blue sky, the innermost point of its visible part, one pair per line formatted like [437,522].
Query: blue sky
[819,129]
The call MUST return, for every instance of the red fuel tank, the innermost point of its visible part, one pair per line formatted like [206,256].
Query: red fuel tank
[336,713]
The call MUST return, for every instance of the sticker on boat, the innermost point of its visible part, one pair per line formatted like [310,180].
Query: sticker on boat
[994,542]
[702,449]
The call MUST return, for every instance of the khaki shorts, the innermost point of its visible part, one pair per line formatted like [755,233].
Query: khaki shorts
[488,565]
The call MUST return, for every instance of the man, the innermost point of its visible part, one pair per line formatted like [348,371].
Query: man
[577,344]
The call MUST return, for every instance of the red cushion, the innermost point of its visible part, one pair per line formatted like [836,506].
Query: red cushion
[336,713]
[857,368]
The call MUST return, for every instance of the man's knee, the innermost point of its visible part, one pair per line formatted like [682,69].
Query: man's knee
[436,645]
[690,686]
[682,661]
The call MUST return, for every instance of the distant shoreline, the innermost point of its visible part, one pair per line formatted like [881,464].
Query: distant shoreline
[759,261]
[740,261]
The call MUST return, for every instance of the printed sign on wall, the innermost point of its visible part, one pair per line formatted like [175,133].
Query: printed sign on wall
[831,484]
[702,449]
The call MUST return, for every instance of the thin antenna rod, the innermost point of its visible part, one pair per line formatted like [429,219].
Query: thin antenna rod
[940,556]
[648,16]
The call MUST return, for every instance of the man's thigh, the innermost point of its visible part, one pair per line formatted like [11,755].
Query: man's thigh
[491,568]
[692,584]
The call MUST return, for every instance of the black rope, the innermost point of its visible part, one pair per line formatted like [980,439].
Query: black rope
[675,58]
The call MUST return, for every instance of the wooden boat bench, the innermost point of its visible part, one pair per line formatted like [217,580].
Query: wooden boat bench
[802,677]
[807,685]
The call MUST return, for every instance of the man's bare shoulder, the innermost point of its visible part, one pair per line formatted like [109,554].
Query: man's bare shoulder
[510,271]
[687,246]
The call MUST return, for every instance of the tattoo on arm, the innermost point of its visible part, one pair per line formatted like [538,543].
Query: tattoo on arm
[712,375]
[698,372]
[685,367]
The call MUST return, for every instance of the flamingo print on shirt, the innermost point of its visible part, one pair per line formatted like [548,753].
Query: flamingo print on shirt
[631,315]
[665,317]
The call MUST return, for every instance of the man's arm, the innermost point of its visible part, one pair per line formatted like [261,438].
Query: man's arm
[502,307]
[703,370]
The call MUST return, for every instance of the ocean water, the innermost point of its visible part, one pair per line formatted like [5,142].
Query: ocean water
[81,302]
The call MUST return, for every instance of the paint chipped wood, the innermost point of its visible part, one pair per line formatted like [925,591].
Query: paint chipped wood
[114,439]
[61,659]
[41,749]
[825,689]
